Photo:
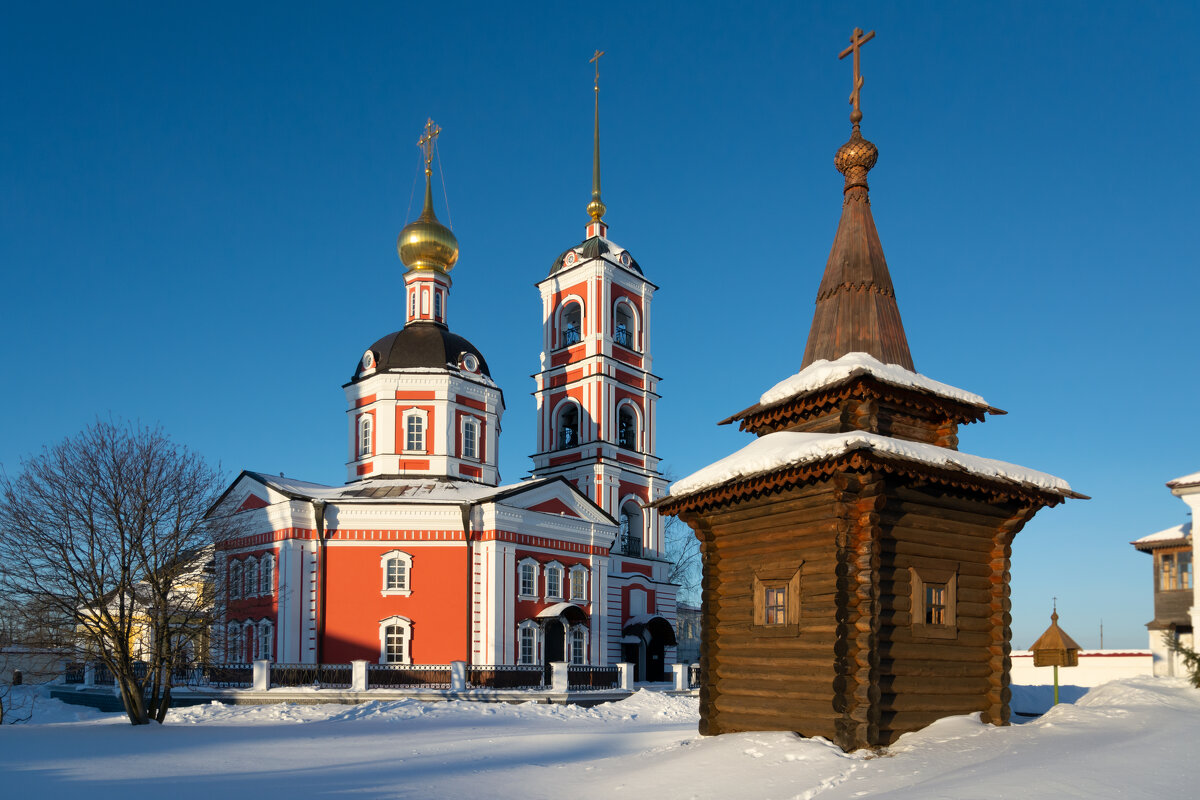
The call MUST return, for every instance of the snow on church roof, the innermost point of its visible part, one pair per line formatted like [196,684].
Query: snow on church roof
[391,490]
[1175,533]
[1186,480]
[822,373]
[785,449]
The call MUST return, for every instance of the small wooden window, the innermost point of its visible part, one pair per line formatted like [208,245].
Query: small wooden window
[776,594]
[933,596]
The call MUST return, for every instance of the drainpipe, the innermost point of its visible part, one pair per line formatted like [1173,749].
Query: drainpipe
[466,509]
[319,514]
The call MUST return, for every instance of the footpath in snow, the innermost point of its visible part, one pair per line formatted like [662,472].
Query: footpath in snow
[1134,738]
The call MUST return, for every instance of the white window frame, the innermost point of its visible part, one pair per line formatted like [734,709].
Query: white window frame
[582,632]
[633,328]
[234,652]
[250,577]
[578,569]
[366,425]
[407,561]
[562,321]
[468,421]
[556,434]
[533,563]
[412,304]
[535,632]
[556,567]
[266,575]
[250,638]
[637,424]
[235,579]
[405,625]
[423,416]
[266,639]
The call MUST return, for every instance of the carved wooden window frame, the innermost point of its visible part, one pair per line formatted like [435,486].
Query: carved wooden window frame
[769,578]
[921,576]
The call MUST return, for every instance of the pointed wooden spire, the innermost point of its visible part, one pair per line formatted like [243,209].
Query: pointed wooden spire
[856,304]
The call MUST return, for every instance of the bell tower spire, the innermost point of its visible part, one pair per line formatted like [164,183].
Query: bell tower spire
[596,207]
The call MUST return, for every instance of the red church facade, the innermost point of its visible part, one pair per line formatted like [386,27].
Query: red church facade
[422,557]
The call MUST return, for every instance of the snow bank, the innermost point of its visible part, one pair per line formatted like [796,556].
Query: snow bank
[791,448]
[822,373]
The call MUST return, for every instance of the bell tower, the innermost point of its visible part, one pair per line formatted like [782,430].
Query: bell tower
[596,394]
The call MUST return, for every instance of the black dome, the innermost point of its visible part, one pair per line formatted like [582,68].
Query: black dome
[422,344]
[593,248]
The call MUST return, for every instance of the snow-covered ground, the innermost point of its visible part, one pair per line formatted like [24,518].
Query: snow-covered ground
[1131,738]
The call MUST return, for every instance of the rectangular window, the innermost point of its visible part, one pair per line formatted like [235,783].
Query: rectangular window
[578,649]
[1175,571]
[526,645]
[527,580]
[394,645]
[470,439]
[578,586]
[415,433]
[396,576]
[935,604]
[775,606]
[553,583]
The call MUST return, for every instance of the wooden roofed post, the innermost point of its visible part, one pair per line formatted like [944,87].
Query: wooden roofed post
[1054,648]
[856,565]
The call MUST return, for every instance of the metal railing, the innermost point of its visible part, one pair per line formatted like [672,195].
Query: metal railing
[583,677]
[505,676]
[631,545]
[570,336]
[408,676]
[333,676]
[103,675]
[73,672]
[623,337]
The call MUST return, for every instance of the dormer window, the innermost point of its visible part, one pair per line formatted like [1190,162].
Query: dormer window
[572,324]
[364,435]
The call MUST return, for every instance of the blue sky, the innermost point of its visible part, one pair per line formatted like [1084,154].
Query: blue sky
[199,206]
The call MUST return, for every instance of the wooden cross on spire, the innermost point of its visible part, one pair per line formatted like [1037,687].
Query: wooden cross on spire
[857,40]
[595,59]
[427,141]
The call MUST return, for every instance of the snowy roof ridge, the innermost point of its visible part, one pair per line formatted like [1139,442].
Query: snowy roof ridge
[785,449]
[823,373]
[1180,531]
[1186,480]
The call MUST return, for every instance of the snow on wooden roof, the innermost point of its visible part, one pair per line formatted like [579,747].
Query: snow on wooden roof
[1176,533]
[821,374]
[785,449]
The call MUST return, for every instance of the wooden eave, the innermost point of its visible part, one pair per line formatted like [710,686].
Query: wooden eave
[804,406]
[856,461]
[1162,544]
[1055,638]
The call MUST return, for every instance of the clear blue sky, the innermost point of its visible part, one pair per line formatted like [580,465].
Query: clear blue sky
[199,206]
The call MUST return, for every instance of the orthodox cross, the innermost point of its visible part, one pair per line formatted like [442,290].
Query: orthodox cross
[595,59]
[857,40]
[428,140]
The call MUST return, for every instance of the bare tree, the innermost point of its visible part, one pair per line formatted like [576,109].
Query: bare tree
[107,529]
[683,551]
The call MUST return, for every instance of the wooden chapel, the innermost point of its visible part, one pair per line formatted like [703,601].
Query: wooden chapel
[855,563]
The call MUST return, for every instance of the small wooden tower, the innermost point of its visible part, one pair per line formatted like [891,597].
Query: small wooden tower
[856,565]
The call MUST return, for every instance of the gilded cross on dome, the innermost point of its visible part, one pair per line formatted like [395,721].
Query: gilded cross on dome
[428,140]
[857,40]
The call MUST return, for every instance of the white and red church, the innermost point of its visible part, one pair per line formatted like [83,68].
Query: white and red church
[422,557]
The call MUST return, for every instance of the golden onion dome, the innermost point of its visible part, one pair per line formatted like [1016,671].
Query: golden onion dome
[425,243]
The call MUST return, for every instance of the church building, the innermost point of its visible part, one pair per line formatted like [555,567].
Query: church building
[423,556]
[856,563]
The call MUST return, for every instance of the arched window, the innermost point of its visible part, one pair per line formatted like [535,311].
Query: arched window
[235,580]
[266,575]
[571,324]
[627,428]
[414,432]
[251,578]
[470,438]
[266,640]
[554,581]
[233,643]
[251,642]
[395,641]
[624,333]
[579,583]
[527,579]
[568,426]
[437,305]
[364,435]
[527,633]
[578,645]
[397,572]
[412,304]
[629,539]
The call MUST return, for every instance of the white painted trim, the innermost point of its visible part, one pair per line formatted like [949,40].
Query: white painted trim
[405,559]
[521,593]
[405,625]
